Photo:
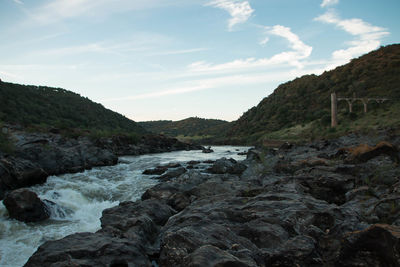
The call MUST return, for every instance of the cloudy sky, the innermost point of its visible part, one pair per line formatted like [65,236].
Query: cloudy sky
[172,59]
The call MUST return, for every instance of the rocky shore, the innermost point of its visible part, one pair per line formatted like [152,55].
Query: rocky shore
[39,155]
[329,203]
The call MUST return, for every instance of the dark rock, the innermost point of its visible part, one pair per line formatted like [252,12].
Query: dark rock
[378,245]
[25,205]
[171,165]
[89,249]
[172,173]
[193,162]
[155,171]
[364,152]
[207,150]
[286,146]
[212,256]
[290,207]
[230,166]
[16,173]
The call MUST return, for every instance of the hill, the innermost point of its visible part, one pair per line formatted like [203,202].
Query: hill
[301,108]
[46,107]
[193,129]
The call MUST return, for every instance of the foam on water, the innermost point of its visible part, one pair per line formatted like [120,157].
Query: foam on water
[76,201]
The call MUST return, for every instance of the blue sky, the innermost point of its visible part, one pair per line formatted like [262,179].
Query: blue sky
[172,59]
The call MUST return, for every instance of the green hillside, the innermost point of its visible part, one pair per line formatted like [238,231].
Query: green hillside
[45,107]
[301,108]
[188,129]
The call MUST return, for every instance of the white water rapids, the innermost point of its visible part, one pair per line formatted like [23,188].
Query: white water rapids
[83,196]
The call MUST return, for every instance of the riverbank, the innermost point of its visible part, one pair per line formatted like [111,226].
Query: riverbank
[36,156]
[328,203]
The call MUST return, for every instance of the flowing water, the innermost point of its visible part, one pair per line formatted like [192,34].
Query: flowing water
[81,197]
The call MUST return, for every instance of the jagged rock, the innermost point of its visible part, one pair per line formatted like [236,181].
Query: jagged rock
[156,171]
[26,206]
[317,212]
[209,256]
[378,245]
[364,152]
[224,165]
[16,173]
[172,173]
[89,249]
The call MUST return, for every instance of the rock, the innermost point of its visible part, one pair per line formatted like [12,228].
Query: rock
[89,249]
[127,238]
[207,150]
[172,173]
[290,207]
[25,205]
[378,245]
[230,166]
[331,188]
[286,146]
[171,165]
[364,152]
[255,155]
[16,173]
[212,256]
[156,171]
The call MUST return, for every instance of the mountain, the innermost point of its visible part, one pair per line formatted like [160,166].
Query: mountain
[46,107]
[190,129]
[302,106]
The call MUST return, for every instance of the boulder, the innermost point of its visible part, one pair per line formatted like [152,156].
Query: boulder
[364,152]
[26,206]
[378,245]
[207,150]
[89,249]
[172,173]
[230,166]
[17,172]
[155,171]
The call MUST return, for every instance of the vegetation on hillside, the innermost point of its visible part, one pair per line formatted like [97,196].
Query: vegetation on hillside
[303,105]
[190,129]
[43,108]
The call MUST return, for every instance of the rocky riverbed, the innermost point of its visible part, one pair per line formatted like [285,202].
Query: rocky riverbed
[39,155]
[329,203]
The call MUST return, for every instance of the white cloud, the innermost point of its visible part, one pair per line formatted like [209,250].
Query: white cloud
[326,3]
[264,41]
[18,2]
[368,37]
[240,11]
[58,10]
[293,57]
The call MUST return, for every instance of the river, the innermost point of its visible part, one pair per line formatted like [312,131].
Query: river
[83,196]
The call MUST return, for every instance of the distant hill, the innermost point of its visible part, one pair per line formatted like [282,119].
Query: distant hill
[191,128]
[46,107]
[302,106]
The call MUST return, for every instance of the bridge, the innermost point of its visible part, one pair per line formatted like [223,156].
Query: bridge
[350,101]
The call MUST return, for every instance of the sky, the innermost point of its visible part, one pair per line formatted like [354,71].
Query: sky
[173,59]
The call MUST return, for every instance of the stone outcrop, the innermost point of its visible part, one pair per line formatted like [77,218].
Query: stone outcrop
[319,210]
[230,166]
[26,206]
[16,173]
